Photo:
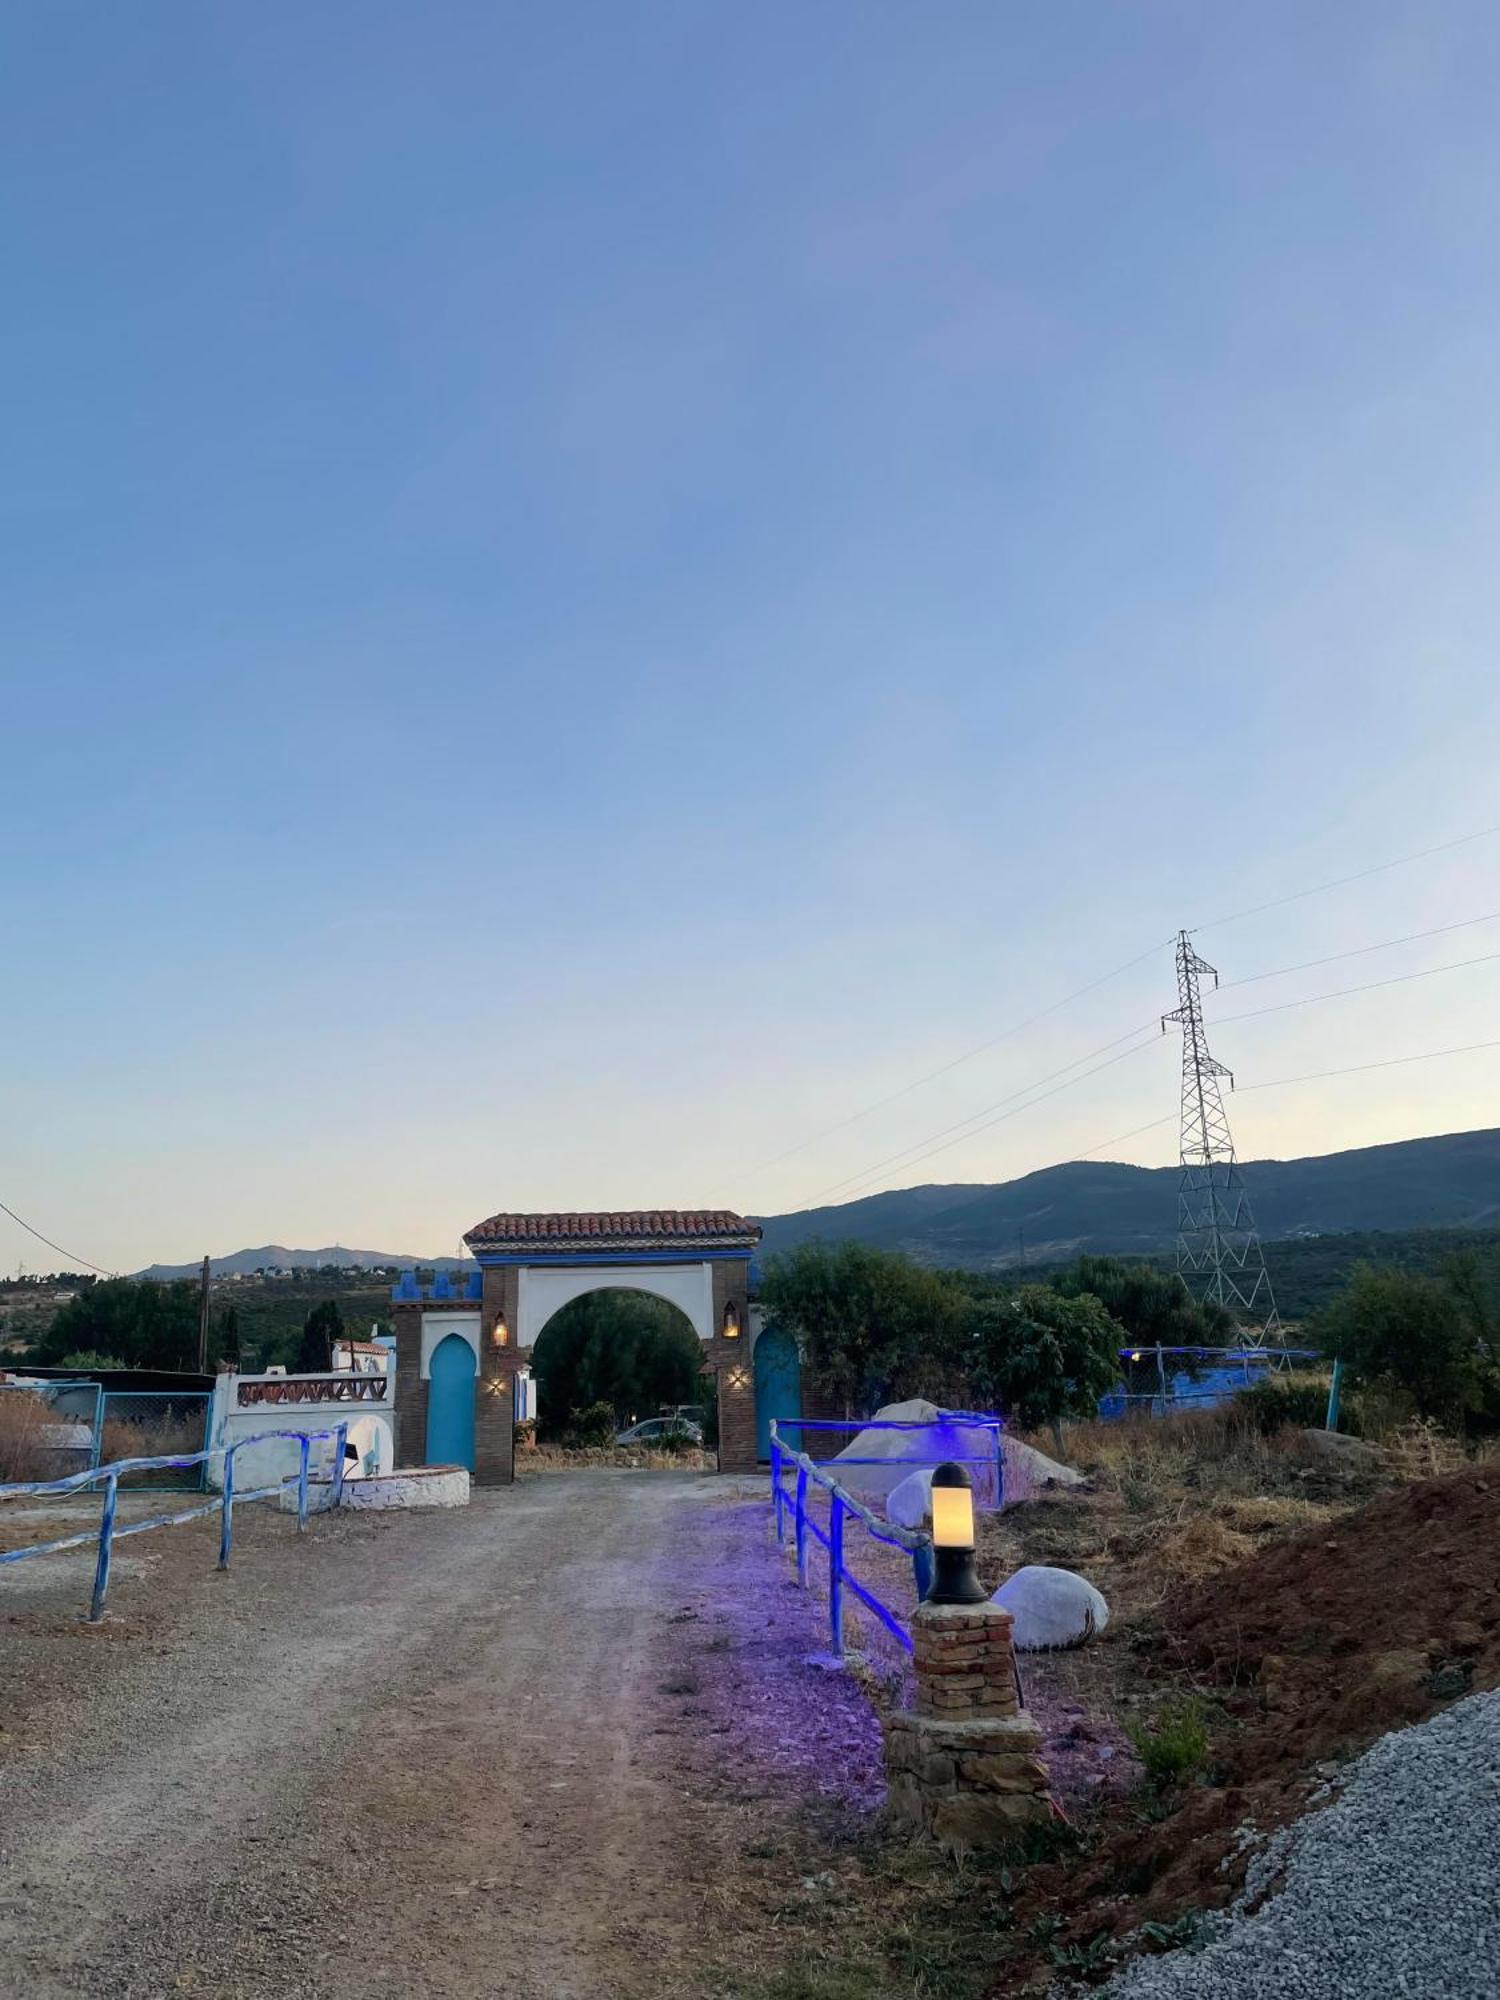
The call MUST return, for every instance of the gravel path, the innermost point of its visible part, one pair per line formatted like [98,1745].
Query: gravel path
[460,1755]
[1394,1889]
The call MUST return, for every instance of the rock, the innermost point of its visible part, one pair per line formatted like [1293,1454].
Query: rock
[1029,1471]
[1338,1449]
[1051,1608]
[910,1503]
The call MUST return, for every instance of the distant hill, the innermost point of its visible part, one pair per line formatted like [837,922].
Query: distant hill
[240,1263]
[1447,1182]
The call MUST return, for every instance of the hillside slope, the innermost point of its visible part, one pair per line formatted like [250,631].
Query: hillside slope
[1446,1182]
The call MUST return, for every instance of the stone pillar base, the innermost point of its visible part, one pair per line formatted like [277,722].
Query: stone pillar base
[965,1767]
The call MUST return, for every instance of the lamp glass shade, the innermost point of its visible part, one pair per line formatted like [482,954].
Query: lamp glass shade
[731,1323]
[500,1332]
[952,1517]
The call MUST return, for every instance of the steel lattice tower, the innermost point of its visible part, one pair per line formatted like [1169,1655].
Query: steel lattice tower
[1219,1254]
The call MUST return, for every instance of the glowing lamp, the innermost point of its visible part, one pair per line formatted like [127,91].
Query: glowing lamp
[955,1579]
[500,1333]
[731,1321]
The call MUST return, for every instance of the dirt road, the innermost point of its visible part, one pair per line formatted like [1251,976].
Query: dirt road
[513,1751]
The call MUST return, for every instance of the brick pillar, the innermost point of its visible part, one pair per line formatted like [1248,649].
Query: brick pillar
[409,1443]
[734,1368]
[964,1765]
[494,1387]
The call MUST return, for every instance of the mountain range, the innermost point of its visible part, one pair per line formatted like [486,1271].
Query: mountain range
[276,1256]
[1452,1181]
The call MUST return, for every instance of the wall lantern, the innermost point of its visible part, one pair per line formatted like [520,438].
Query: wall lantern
[955,1579]
[731,1321]
[500,1333]
[739,1379]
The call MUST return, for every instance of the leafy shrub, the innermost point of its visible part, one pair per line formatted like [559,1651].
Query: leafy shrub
[1299,1400]
[594,1425]
[1175,1744]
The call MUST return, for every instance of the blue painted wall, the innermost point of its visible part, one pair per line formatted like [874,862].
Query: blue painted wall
[450,1404]
[778,1386]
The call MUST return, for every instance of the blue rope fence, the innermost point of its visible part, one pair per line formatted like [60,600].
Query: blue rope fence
[791,1507]
[108,1532]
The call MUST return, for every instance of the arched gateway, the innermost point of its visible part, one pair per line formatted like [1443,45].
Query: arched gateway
[530,1266]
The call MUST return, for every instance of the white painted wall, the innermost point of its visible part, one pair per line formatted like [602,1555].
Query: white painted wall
[436,1328]
[263,1465]
[544,1292]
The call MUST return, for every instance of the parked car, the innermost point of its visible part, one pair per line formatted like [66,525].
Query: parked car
[659,1430]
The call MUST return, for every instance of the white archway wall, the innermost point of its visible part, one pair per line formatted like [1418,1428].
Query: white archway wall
[543,1292]
[436,1328]
[368,1434]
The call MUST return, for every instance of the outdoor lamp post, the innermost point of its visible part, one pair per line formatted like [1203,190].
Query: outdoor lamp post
[955,1579]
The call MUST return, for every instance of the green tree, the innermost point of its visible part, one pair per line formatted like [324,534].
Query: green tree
[628,1350]
[323,1326]
[871,1324]
[1431,1340]
[1037,1356]
[1154,1307]
[147,1325]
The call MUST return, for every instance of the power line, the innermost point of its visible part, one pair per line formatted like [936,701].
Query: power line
[947,1145]
[1354,1069]
[943,1069]
[1370,986]
[1343,881]
[72,1260]
[1361,951]
[961,1124]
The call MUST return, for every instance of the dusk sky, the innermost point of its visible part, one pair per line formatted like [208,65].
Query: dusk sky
[588,591]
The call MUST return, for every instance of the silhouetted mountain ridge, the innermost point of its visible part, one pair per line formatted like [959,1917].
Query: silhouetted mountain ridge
[1452,1181]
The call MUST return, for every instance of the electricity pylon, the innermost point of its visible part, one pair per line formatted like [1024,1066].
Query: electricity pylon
[1219,1254]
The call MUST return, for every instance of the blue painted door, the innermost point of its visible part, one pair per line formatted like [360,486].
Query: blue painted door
[778,1387]
[450,1404]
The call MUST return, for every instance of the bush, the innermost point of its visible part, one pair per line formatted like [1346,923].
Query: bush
[1300,1400]
[1175,1745]
[594,1425]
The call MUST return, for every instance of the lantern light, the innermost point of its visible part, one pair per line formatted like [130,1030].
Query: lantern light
[955,1579]
[500,1333]
[731,1321]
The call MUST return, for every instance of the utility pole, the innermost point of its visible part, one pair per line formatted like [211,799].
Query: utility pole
[1219,1254]
[203,1320]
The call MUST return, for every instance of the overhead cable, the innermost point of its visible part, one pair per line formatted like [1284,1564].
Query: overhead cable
[72,1260]
[980,1048]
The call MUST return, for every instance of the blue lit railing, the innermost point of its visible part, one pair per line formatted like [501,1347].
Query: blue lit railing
[107,1533]
[916,1542]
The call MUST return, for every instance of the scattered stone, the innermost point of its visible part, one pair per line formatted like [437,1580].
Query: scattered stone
[1052,1608]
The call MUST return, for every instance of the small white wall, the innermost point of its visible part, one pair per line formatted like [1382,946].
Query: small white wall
[436,1328]
[265,1464]
[544,1292]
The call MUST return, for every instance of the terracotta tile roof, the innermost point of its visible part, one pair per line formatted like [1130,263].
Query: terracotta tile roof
[618,1230]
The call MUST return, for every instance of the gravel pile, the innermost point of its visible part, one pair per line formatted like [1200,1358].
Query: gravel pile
[1394,1889]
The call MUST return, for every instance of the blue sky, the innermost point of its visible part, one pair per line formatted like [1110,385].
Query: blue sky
[587,591]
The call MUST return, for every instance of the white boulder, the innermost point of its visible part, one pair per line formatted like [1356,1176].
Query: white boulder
[1051,1608]
[1029,1472]
[909,1503]
[897,1453]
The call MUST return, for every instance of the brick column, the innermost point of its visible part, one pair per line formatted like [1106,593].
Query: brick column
[964,1765]
[409,1443]
[734,1368]
[494,1387]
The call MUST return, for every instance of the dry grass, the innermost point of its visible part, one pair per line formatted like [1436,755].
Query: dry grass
[24,1451]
